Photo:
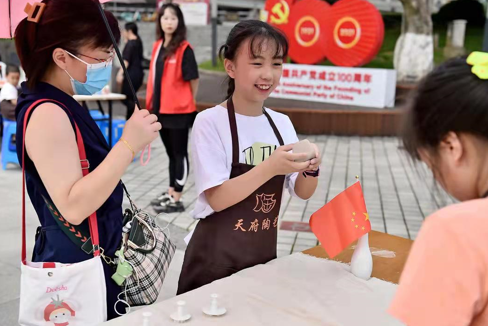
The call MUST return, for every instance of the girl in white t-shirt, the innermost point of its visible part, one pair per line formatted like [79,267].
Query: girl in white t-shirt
[242,160]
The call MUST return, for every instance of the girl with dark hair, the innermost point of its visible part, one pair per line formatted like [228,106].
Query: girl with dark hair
[68,51]
[241,152]
[133,56]
[446,127]
[171,91]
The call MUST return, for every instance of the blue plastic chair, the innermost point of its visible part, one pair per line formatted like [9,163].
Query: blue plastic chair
[100,119]
[117,129]
[9,152]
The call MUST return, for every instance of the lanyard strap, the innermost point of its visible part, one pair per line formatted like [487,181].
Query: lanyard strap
[85,165]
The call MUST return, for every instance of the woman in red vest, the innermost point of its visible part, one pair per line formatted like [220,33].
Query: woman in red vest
[171,92]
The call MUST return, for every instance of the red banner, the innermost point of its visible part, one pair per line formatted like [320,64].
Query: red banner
[349,33]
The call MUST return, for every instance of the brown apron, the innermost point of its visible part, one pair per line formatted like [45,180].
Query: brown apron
[240,236]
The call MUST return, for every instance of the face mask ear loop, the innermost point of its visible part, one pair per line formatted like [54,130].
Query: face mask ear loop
[74,56]
[66,71]
[91,65]
[72,79]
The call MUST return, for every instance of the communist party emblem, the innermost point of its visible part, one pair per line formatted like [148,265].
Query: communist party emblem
[280,13]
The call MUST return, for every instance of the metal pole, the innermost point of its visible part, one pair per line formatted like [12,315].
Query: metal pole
[485,37]
[119,55]
[110,123]
[214,32]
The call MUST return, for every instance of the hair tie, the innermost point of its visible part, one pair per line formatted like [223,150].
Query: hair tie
[34,12]
[479,61]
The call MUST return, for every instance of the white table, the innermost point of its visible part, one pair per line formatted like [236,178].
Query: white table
[109,98]
[298,290]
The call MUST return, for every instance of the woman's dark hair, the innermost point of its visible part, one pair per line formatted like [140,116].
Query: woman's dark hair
[450,99]
[179,35]
[66,24]
[257,32]
[133,28]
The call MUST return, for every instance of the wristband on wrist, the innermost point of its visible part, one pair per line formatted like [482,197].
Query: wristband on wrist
[312,173]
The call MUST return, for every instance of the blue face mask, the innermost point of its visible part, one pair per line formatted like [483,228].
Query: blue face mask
[97,76]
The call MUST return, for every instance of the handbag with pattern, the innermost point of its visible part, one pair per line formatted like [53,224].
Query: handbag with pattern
[142,260]
[149,251]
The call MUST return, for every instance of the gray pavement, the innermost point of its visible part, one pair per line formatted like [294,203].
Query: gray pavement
[398,197]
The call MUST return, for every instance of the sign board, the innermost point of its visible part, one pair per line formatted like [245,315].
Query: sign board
[195,12]
[365,87]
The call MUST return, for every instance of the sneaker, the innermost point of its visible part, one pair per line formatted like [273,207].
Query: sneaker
[170,206]
[161,199]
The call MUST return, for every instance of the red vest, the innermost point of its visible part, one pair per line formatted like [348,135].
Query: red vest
[176,96]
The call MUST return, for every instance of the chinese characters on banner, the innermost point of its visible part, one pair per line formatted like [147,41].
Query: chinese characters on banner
[339,85]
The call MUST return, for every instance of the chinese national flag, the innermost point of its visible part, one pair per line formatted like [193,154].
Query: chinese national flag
[341,221]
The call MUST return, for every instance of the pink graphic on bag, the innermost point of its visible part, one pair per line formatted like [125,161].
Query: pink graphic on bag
[58,312]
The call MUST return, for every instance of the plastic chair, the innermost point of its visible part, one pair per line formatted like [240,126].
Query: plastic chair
[100,119]
[9,152]
[117,129]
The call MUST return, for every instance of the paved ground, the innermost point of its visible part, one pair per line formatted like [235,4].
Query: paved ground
[398,197]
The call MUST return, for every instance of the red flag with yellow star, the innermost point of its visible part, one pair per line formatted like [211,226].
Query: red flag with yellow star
[341,221]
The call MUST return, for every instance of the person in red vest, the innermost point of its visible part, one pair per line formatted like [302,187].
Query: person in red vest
[171,90]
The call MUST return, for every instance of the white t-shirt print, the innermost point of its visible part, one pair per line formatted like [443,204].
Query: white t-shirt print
[211,148]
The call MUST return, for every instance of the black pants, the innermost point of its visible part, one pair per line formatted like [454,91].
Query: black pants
[176,143]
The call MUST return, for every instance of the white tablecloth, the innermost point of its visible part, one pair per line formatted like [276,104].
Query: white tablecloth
[294,290]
